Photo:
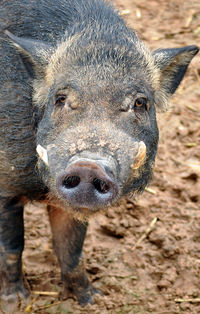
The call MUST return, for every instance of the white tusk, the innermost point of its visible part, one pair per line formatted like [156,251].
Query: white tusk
[140,155]
[42,152]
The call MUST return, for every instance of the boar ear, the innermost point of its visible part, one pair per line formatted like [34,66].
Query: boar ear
[172,64]
[34,53]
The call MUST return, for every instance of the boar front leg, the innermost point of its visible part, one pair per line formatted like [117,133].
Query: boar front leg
[11,247]
[68,239]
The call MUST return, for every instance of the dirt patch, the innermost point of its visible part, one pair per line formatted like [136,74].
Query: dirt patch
[141,271]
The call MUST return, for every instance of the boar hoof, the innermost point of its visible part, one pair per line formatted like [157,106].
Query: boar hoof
[84,297]
[14,298]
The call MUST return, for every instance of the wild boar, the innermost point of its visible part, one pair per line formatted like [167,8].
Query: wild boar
[78,98]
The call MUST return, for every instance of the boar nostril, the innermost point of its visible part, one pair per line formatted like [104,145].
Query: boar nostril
[101,186]
[86,184]
[71,182]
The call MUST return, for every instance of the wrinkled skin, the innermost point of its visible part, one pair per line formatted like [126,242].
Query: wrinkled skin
[81,89]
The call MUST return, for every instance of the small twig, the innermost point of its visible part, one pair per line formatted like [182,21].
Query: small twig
[48,306]
[190,144]
[196,300]
[151,191]
[191,108]
[189,19]
[51,293]
[29,307]
[124,12]
[146,233]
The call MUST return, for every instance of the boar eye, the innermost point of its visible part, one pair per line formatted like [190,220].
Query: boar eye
[60,100]
[141,102]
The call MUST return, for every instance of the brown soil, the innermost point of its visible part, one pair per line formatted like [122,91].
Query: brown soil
[141,271]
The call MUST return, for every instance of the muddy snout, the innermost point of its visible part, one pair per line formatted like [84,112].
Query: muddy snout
[86,184]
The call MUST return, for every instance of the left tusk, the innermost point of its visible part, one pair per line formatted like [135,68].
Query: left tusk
[140,155]
[42,152]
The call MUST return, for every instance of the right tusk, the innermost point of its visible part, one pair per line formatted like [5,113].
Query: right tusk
[42,152]
[140,155]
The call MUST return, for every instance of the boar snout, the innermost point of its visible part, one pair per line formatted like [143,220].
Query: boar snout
[85,184]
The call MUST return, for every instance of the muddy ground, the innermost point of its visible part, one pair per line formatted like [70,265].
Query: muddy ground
[141,271]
